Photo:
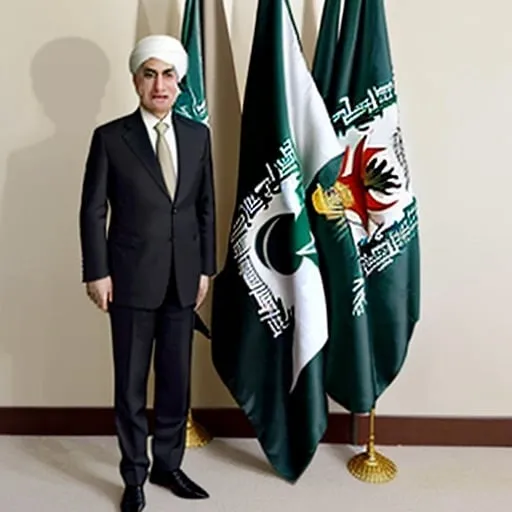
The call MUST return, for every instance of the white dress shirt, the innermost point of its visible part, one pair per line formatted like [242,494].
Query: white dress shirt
[150,121]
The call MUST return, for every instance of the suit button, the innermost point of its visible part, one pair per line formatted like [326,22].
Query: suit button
[174,209]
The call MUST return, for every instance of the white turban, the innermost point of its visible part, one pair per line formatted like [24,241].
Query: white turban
[164,48]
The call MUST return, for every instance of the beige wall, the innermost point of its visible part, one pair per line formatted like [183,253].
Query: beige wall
[64,70]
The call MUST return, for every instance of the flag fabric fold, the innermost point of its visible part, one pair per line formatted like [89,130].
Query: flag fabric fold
[372,272]
[269,317]
[323,62]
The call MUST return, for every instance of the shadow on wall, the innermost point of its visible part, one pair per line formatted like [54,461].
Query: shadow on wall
[175,17]
[168,20]
[55,342]
[142,28]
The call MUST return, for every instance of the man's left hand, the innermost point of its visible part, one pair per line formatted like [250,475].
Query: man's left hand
[204,284]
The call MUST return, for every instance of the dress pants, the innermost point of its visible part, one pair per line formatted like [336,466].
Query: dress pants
[135,332]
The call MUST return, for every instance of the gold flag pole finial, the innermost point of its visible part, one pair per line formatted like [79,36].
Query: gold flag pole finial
[197,436]
[371,466]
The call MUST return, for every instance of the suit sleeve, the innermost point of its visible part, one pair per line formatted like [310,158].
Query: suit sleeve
[206,213]
[93,212]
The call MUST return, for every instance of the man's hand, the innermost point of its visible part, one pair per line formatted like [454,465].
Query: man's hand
[204,284]
[100,292]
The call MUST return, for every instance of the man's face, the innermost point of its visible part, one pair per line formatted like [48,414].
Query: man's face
[156,83]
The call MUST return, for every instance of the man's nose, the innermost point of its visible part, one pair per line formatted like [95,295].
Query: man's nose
[159,83]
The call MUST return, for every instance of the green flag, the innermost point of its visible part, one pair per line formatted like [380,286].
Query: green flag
[373,296]
[269,319]
[323,62]
[191,102]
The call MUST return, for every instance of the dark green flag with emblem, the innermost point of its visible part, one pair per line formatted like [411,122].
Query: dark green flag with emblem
[191,102]
[269,318]
[372,273]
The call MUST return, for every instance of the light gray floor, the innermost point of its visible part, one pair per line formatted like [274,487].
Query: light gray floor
[80,474]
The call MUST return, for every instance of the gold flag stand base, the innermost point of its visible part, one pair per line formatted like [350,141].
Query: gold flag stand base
[370,466]
[197,436]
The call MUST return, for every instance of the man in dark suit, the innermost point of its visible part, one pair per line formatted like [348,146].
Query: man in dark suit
[150,267]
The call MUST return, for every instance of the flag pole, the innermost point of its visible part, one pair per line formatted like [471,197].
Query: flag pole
[371,466]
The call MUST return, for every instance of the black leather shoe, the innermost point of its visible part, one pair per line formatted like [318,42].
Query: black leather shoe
[178,483]
[133,499]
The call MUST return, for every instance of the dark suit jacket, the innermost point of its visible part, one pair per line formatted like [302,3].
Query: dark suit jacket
[147,232]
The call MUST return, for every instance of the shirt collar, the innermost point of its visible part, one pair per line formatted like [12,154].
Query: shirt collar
[150,120]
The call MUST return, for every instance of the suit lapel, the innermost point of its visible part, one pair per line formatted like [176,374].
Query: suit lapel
[183,147]
[137,138]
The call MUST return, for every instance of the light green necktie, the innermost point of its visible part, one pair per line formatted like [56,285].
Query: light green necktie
[163,153]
